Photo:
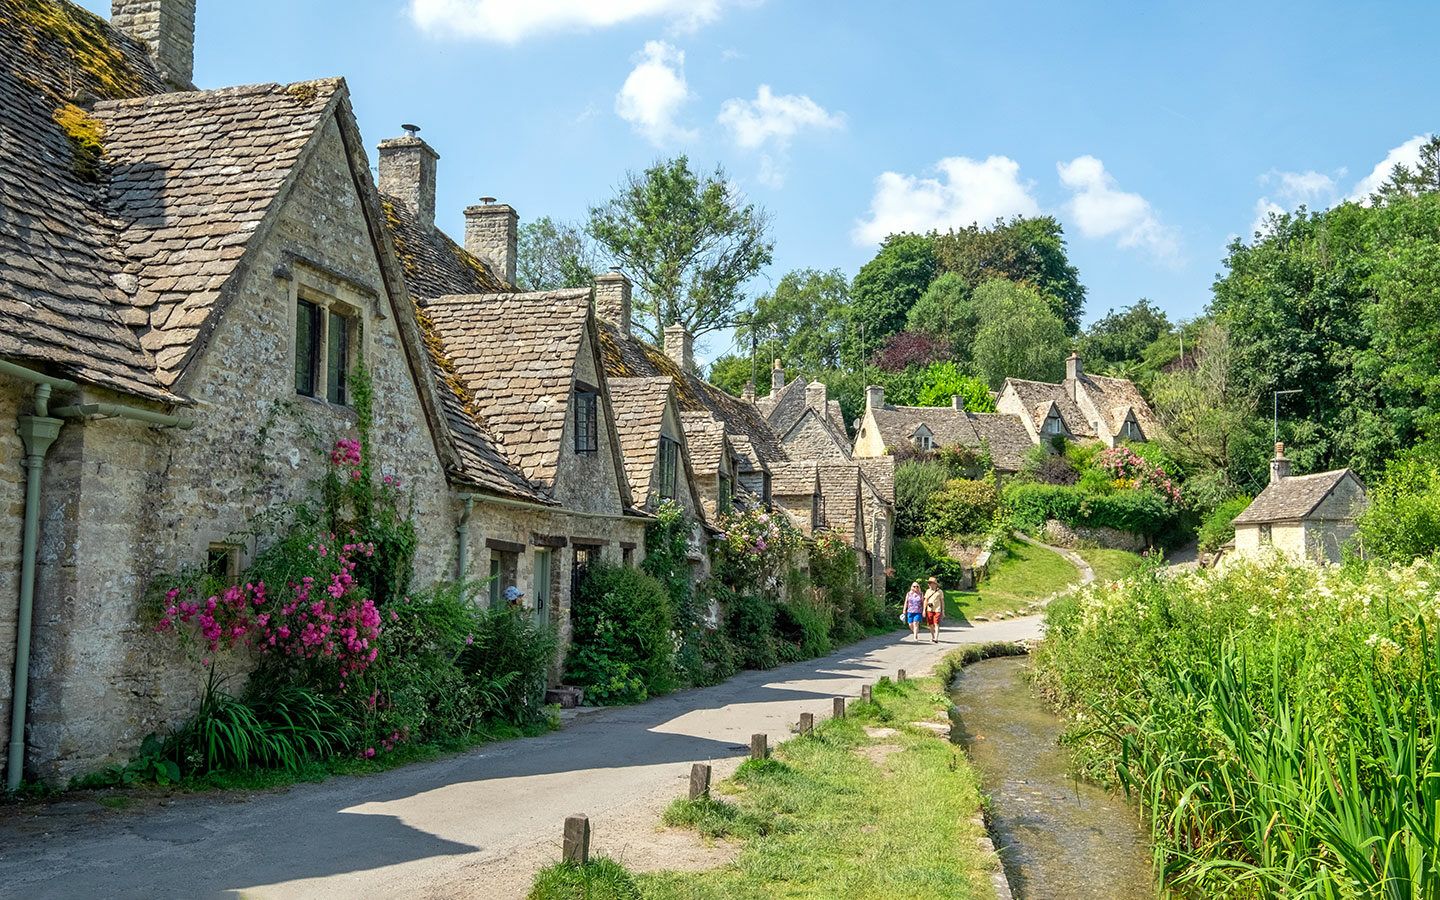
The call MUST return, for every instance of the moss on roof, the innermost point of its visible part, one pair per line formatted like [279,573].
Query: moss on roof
[87,135]
[85,37]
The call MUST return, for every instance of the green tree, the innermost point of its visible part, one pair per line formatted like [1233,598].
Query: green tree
[691,243]
[1423,179]
[884,290]
[551,255]
[1120,339]
[802,321]
[940,383]
[945,311]
[1019,336]
[1029,250]
[730,372]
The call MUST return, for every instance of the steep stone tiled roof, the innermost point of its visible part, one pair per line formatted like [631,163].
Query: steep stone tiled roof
[628,357]
[1113,396]
[706,438]
[790,479]
[516,354]
[59,304]
[434,264]
[1036,397]
[950,426]
[1005,436]
[750,459]
[1294,497]
[839,493]
[880,472]
[784,407]
[639,405]
[192,175]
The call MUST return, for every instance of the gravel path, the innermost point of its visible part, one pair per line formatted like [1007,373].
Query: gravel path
[473,825]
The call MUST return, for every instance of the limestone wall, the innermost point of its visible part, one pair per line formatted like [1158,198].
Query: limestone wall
[1074,536]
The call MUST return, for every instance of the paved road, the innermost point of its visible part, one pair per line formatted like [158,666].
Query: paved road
[474,825]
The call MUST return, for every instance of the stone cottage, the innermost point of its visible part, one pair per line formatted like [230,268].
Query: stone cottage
[886,431]
[1082,407]
[1309,518]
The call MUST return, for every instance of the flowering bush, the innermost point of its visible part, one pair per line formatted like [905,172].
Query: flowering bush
[1131,470]
[754,549]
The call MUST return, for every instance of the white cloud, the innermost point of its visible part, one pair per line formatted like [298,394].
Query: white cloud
[1407,153]
[769,122]
[1310,188]
[653,94]
[1100,209]
[511,21]
[1264,208]
[967,192]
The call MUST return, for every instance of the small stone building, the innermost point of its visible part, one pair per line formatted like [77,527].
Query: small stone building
[1309,518]
[886,430]
[1082,407]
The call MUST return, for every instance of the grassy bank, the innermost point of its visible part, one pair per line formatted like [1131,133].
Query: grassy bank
[1111,565]
[842,813]
[1023,574]
[1278,721]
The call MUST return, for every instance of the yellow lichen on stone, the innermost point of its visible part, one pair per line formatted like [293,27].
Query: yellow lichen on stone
[86,39]
[304,91]
[86,134]
[407,259]
[487,278]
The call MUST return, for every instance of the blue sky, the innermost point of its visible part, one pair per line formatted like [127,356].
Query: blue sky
[1154,131]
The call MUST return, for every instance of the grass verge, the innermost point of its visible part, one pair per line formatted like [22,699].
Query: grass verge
[1025,574]
[1111,565]
[839,813]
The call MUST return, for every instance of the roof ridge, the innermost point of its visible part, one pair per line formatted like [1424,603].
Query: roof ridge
[176,98]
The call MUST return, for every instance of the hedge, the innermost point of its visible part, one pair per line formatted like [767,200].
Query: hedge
[1028,505]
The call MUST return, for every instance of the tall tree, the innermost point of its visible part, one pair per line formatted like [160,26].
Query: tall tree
[1030,250]
[944,311]
[801,322]
[690,241]
[1019,335]
[552,255]
[1122,337]
[1424,178]
[884,290]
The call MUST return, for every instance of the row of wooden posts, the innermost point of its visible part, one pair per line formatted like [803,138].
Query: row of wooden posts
[575,844]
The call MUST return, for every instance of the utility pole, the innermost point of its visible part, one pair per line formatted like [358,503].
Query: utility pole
[1275,413]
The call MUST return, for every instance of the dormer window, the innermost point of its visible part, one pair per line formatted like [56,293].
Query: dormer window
[669,468]
[923,438]
[587,420]
[1053,423]
[1130,431]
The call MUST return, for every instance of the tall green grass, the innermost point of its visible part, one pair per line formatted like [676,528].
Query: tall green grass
[1278,722]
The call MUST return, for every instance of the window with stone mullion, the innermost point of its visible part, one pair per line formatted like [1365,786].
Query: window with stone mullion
[587,428]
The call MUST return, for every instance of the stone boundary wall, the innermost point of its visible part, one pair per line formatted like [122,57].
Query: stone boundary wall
[1081,536]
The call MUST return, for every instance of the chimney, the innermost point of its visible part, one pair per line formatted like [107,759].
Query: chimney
[407,174]
[777,378]
[680,347]
[748,393]
[815,396]
[957,402]
[167,30]
[1280,465]
[1074,369]
[874,397]
[491,230]
[612,299]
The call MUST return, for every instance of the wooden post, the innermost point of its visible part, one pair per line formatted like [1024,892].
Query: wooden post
[576,847]
[839,707]
[699,781]
[900,676]
[807,723]
[865,695]
[757,746]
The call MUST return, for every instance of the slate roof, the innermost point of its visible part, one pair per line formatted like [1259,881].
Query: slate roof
[192,175]
[1036,397]
[59,304]
[793,479]
[783,408]
[639,405]
[516,354]
[1294,497]
[629,357]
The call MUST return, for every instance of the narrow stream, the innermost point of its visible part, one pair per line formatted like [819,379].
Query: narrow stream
[1058,838]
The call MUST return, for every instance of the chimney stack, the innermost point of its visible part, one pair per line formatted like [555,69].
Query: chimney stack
[1280,465]
[957,402]
[874,397]
[680,347]
[1074,368]
[816,396]
[777,378]
[167,30]
[491,232]
[407,174]
[612,299]
[748,393]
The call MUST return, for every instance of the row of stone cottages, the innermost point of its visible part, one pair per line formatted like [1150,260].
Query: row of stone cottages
[188,276]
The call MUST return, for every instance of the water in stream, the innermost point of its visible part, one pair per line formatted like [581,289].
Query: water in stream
[1058,838]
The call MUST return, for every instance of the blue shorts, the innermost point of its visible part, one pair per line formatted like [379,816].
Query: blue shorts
[913,618]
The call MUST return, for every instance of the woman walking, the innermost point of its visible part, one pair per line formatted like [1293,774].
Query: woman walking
[934,608]
[914,606]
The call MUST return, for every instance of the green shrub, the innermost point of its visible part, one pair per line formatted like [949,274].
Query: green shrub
[916,559]
[622,648]
[916,481]
[803,624]
[961,507]
[1027,505]
[1403,519]
[277,727]
[507,662]
[750,626]
[1218,527]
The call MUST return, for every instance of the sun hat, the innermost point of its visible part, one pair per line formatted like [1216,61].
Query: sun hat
[513,593]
